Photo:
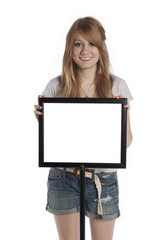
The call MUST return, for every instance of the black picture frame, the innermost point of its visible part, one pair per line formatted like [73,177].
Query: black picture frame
[83,103]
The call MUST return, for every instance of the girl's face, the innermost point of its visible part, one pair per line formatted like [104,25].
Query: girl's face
[85,54]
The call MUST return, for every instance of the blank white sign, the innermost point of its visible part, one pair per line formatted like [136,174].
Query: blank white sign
[82,132]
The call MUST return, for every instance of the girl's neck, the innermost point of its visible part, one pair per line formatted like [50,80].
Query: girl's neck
[86,76]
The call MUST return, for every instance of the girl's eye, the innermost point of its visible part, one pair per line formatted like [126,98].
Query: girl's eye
[77,44]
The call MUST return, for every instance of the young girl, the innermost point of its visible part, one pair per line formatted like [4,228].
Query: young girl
[85,73]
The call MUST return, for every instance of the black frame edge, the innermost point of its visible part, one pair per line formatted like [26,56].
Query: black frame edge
[122,101]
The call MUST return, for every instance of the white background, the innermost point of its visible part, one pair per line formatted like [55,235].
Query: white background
[31,48]
[88,132]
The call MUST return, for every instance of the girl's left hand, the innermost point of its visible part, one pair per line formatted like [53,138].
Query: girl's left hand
[129,132]
[126,106]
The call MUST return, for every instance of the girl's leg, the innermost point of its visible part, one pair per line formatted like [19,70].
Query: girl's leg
[102,230]
[68,226]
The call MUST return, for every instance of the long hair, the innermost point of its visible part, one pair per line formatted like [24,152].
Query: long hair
[94,32]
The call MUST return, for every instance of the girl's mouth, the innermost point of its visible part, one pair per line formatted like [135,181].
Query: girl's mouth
[85,58]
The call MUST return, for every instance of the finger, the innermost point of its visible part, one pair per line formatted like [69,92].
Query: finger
[118,97]
[37,112]
[127,106]
[41,96]
[37,107]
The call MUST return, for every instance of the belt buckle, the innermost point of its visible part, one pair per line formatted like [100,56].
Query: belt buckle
[78,169]
[75,172]
[88,170]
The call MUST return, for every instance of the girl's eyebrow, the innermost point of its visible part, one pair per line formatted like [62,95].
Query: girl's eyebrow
[78,40]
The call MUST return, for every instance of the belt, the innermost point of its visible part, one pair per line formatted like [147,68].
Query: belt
[88,174]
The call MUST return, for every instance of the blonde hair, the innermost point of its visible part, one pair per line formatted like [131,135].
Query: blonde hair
[94,32]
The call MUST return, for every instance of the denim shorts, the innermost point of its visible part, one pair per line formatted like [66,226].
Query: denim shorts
[63,195]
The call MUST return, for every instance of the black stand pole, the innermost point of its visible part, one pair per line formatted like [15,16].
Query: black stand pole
[82,202]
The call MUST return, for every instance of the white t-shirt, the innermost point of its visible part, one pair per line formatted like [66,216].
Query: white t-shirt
[119,88]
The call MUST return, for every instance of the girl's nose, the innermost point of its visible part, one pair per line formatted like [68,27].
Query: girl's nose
[84,49]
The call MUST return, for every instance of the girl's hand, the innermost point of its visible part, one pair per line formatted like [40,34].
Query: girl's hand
[129,132]
[126,106]
[37,108]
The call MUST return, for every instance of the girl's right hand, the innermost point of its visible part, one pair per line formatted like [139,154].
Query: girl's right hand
[37,108]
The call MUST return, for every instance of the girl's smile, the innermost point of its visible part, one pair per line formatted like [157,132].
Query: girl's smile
[85,58]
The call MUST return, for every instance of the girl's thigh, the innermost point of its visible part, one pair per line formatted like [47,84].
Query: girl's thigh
[102,230]
[68,226]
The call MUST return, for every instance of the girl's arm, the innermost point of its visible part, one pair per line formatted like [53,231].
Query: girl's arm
[129,132]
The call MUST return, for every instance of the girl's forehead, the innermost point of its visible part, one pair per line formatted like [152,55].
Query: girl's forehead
[81,37]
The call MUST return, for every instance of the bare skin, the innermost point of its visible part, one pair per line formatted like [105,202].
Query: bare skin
[37,108]
[68,227]
[129,132]
[102,230]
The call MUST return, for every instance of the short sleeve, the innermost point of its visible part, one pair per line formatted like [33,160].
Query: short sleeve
[120,88]
[52,88]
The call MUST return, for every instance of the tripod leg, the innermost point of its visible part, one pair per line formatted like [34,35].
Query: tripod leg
[82,202]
